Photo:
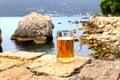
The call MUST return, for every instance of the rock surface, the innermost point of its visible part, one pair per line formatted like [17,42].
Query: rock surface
[38,66]
[47,65]
[41,66]
[103,35]
[34,27]
[101,70]
[22,55]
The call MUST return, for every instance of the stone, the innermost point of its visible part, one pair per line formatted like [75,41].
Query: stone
[105,31]
[47,65]
[7,63]
[13,66]
[22,55]
[16,74]
[21,73]
[40,40]
[101,70]
[41,78]
[34,27]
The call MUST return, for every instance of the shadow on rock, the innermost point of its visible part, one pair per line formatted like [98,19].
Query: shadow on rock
[1,50]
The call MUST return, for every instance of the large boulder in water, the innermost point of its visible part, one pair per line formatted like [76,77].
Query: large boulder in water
[34,27]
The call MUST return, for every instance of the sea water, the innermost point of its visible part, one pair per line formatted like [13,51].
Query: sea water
[8,26]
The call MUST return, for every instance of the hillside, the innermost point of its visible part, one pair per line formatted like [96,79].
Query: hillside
[53,7]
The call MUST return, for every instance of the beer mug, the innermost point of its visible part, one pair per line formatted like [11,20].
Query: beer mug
[65,45]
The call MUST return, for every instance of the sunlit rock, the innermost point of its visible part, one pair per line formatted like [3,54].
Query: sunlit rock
[34,27]
[102,35]
[47,65]
[101,70]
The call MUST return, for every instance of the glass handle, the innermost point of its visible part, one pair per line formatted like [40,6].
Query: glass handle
[80,44]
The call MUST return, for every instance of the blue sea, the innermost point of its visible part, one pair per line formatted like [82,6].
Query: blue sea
[8,26]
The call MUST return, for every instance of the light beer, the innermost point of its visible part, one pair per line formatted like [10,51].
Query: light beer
[65,48]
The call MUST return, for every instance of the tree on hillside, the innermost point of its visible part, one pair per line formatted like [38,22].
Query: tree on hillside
[110,7]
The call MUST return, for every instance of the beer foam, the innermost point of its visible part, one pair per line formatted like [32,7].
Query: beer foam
[65,38]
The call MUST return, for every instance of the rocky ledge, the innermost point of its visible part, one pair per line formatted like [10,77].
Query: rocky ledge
[41,66]
[103,35]
[37,66]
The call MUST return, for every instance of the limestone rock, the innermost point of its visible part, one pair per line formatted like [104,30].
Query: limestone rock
[21,73]
[47,65]
[36,66]
[6,63]
[101,70]
[102,35]
[34,27]
[16,74]
[22,55]
[41,78]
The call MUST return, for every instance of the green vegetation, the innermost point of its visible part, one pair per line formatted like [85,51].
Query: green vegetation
[110,7]
[96,14]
